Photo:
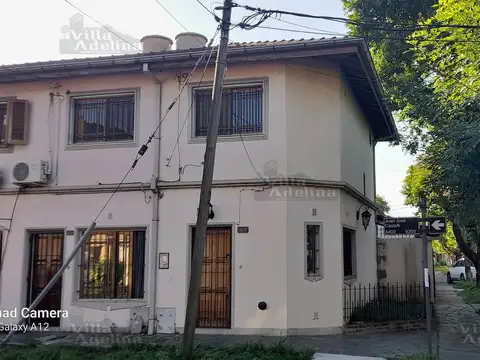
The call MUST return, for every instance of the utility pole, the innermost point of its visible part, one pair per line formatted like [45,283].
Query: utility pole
[206,190]
[426,272]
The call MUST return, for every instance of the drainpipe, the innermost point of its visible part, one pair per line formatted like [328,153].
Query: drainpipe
[152,277]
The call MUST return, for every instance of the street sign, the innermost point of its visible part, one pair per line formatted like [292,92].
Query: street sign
[436,225]
[401,226]
[413,225]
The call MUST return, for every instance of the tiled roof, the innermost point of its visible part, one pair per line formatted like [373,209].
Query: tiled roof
[231,45]
[286,42]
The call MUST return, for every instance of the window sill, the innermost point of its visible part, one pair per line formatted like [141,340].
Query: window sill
[350,279]
[101,145]
[229,138]
[114,304]
[313,278]
[6,149]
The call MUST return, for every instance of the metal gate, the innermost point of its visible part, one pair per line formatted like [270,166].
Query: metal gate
[46,256]
[214,309]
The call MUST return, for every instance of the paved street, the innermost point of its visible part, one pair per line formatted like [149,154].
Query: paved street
[457,335]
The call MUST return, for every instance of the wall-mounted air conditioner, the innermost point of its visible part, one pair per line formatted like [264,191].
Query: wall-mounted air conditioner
[31,173]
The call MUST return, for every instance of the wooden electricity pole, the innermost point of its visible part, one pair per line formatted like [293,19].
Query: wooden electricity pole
[206,190]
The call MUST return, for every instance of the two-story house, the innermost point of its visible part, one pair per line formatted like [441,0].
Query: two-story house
[294,173]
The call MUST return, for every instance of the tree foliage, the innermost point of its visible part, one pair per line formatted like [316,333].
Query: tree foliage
[451,53]
[431,79]
[382,204]
[416,182]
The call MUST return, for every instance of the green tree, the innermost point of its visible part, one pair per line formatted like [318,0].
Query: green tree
[382,204]
[412,100]
[431,82]
[451,53]
[415,182]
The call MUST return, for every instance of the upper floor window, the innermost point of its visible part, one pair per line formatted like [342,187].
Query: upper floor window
[113,265]
[103,118]
[242,110]
[13,122]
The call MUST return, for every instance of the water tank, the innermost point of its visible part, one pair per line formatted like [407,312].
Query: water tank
[156,43]
[190,40]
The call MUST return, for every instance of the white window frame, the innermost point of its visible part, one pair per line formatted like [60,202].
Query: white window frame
[319,250]
[101,94]
[232,84]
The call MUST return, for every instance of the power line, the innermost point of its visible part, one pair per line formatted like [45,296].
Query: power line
[169,159]
[99,23]
[247,153]
[371,26]
[404,39]
[178,21]
[143,149]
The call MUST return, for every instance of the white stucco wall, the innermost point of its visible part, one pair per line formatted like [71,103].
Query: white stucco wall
[231,163]
[319,306]
[49,212]
[310,131]
[48,129]
[356,150]
[313,123]
[258,258]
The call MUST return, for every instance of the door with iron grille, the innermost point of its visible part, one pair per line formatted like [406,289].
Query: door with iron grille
[46,256]
[214,308]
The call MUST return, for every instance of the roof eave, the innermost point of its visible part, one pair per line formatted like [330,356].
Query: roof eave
[174,58]
[374,80]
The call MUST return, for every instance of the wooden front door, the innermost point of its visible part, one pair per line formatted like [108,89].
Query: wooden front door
[214,309]
[46,256]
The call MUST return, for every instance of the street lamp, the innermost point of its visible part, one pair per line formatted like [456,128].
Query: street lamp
[366,215]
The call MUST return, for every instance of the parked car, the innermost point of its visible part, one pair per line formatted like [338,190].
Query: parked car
[457,270]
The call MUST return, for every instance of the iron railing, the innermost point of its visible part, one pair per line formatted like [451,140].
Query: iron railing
[242,110]
[379,303]
[103,119]
[113,265]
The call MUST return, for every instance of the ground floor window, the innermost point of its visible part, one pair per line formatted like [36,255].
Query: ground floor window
[313,251]
[113,265]
[348,252]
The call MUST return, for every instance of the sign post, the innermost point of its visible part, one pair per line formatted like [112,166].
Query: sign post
[426,266]
[423,226]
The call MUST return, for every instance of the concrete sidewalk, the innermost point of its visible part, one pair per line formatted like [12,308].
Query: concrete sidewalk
[457,336]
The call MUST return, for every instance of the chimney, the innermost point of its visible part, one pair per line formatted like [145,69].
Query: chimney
[190,40]
[156,43]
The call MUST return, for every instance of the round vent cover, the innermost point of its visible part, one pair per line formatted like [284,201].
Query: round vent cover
[21,171]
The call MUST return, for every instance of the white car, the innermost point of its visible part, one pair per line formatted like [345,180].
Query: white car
[457,270]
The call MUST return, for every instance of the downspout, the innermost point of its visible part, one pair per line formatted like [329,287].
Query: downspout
[152,277]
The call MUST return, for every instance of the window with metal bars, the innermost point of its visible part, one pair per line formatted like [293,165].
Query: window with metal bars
[103,118]
[242,110]
[313,251]
[113,265]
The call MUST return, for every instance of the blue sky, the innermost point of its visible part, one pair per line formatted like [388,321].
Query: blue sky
[35,36]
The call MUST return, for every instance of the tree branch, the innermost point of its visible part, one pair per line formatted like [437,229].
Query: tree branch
[467,250]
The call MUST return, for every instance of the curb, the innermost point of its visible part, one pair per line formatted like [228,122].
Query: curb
[322,356]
